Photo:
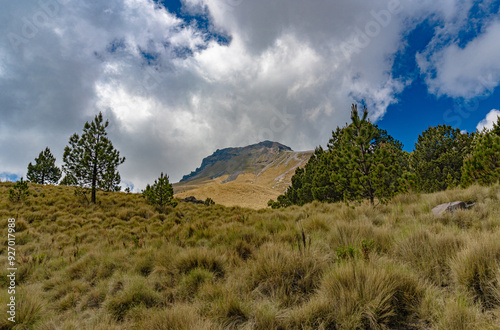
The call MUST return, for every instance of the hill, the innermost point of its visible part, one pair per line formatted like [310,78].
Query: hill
[246,176]
[121,264]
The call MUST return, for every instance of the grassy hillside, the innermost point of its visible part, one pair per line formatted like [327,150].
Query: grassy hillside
[123,265]
[252,186]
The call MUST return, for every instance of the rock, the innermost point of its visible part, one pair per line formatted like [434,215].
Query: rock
[192,199]
[452,206]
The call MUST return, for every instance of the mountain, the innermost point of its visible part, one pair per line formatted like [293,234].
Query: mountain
[246,176]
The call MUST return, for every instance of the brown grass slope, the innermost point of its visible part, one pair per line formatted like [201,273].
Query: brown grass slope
[121,264]
[250,179]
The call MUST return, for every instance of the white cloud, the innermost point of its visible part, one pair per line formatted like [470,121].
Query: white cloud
[285,75]
[468,71]
[489,120]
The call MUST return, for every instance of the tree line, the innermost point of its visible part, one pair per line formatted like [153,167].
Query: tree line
[360,162]
[91,162]
[363,162]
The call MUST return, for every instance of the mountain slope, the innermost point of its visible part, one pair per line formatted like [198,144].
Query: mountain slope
[247,176]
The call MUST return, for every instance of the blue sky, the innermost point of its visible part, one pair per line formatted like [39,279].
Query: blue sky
[417,109]
[179,79]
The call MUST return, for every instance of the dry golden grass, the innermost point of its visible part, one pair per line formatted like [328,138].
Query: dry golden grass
[121,264]
[250,189]
[235,193]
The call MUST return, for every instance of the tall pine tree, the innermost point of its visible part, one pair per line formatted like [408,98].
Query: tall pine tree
[45,169]
[91,159]
[482,165]
[362,161]
[437,159]
[366,164]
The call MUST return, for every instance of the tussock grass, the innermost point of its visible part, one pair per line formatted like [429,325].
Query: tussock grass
[429,254]
[135,292]
[122,264]
[477,271]
[29,308]
[363,295]
[288,277]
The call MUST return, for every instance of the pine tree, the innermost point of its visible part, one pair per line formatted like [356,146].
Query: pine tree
[367,164]
[362,161]
[45,169]
[19,192]
[437,158]
[161,193]
[91,159]
[482,165]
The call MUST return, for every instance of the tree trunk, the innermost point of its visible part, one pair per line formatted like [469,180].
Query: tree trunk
[94,182]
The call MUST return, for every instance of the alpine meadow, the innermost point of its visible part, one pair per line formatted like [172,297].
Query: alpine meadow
[250,165]
[352,243]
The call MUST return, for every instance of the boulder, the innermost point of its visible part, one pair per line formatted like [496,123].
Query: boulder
[192,199]
[452,206]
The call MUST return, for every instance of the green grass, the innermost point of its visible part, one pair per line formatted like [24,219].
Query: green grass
[121,264]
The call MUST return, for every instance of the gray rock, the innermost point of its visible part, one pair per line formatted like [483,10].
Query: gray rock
[452,206]
[192,199]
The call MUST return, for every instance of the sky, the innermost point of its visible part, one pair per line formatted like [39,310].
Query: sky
[178,79]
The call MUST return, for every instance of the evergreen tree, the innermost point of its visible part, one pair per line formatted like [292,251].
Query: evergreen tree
[161,193]
[366,163]
[482,165]
[91,159]
[68,180]
[19,192]
[362,161]
[437,159]
[45,169]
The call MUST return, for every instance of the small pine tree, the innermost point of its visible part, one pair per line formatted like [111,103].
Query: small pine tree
[209,202]
[91,160]
[19,192]
[161,193]
[45,169]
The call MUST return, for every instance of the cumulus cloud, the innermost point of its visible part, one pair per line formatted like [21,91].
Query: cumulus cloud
[463,68]
[489,120]
[174,93]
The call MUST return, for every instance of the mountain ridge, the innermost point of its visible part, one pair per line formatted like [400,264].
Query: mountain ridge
[243,176]
[226,154]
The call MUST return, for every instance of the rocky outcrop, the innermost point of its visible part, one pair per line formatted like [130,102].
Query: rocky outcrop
[451,207]
[233,161]
[192,199]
